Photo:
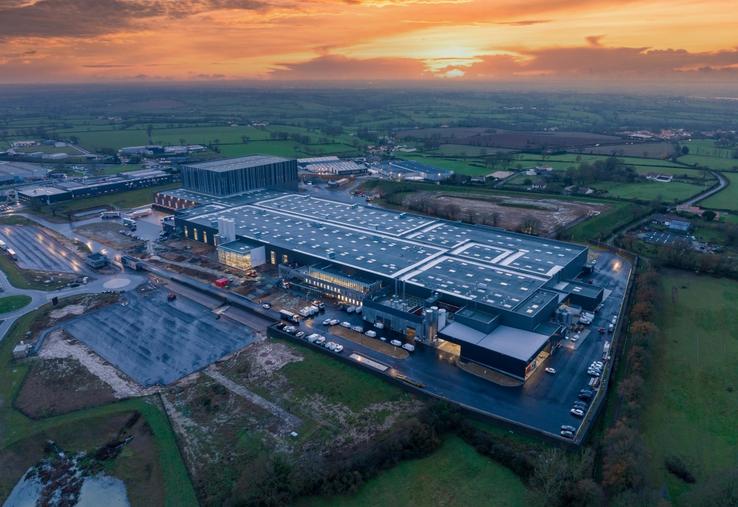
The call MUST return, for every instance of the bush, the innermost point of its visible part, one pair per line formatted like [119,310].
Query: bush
[515,457]
[678,468]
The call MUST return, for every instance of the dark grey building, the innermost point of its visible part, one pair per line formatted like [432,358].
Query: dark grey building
[237,175]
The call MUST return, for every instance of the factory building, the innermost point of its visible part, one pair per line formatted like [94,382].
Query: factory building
[91,187]
[235,176]
[487,294]
[330,166]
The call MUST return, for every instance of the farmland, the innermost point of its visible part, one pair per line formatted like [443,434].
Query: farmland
[691,404]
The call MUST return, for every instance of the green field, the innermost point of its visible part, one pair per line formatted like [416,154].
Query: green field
[727,198]
[703,152]
[13,303]
[674,191]
[454,475]
[603,225]
[15,427]
[349,386]
[691,405]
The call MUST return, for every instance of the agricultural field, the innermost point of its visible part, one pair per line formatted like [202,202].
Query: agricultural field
[727,198]
[675,191]
[454,475]
[691,403]
[703,152]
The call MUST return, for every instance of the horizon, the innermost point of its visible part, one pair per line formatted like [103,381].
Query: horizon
[598,44]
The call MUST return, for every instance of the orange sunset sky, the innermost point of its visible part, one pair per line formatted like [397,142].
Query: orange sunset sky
[133,40]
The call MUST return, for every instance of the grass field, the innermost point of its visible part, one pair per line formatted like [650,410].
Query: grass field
[348,385]
[691,404]
[674,191]
[703,152]
[15,427]
[601,226]
[13,303]
[454,475]
[727,198]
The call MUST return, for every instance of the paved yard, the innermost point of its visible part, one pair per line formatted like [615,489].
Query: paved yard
[158,342]
[38,250]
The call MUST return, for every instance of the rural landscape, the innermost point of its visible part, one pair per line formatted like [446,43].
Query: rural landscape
[488,257]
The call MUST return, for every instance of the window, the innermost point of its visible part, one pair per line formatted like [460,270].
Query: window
[194,234]
[273,257]
[285,260]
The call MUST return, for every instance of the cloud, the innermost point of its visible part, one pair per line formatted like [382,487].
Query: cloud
[596,61]
[337,67]
[595,40]
[525,22]
[88,18]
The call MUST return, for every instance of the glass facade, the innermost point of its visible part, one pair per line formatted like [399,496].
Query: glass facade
[235,180]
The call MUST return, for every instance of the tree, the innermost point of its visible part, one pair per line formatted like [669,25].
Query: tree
[709,215]
[685,150]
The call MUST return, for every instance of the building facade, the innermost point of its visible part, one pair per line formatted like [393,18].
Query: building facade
[238,175]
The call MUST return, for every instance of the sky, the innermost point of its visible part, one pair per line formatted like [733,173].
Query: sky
[609,41]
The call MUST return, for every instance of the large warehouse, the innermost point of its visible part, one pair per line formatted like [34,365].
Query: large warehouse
[237,175]
[489,294]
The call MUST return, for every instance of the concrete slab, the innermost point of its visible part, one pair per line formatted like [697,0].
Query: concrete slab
[158,342]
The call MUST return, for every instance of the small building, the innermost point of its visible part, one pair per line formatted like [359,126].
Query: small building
[97,260]
[679,226]
[22,350]
[241,254]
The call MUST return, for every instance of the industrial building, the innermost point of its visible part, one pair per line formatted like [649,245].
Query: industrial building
[487,295]
[90,187]
[237,175]
[414,171]
[330,166]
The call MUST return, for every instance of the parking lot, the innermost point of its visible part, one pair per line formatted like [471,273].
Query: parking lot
[662,238]
[37,250]
[542,403]
[155,341]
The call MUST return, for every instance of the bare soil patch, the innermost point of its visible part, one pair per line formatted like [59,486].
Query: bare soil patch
[512,212]
[57,386]
[108,233]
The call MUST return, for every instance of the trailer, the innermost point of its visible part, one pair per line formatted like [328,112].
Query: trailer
[288,316]
[108,215]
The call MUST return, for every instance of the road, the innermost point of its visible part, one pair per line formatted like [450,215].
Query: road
[722,183]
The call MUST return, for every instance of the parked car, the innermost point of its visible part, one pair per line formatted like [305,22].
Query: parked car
[371,334]
[266,306]
[350,309]
[334,322]
[345,324]
[409,347]
[300,334]
[338,348]
[551,370]
[327,322]
[330,345]
[290,329]
[567,434]
[320,340]
[312,337]
[358,329]
[567,427]
[396,343]
[576,412]
[379,325]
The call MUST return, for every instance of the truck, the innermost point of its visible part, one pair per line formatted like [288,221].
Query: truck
[130,223]
[108,215]
[139,213]
[221,282]
[288,316]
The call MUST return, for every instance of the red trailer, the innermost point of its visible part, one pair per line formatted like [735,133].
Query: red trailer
[221,282]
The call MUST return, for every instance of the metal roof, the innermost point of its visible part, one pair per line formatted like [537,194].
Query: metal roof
[233,164]
[510,341]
